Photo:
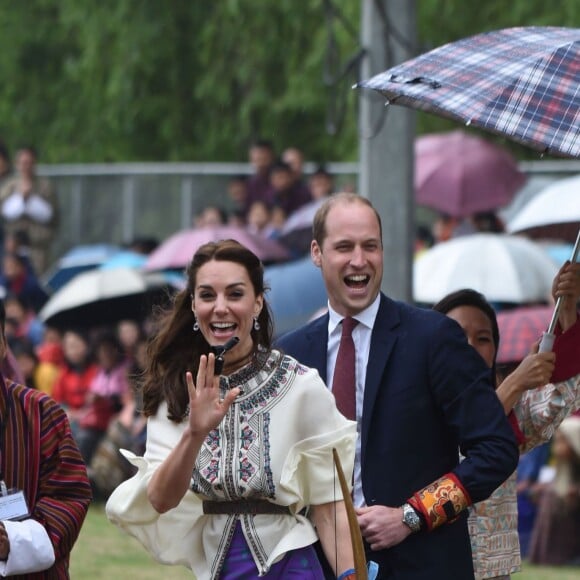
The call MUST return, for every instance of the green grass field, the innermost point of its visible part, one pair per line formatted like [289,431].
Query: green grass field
[102,551]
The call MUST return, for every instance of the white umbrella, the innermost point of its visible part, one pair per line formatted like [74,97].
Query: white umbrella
[104,296]
[504,268]
[553,213]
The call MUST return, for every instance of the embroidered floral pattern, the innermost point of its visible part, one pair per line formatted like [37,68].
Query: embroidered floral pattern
[246,469]
[235,461]
[247,437]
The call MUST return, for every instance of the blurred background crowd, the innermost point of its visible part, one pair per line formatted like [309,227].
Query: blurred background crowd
[78,324]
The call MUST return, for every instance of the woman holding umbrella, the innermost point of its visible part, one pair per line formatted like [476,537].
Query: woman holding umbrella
[234,455]
[535,408]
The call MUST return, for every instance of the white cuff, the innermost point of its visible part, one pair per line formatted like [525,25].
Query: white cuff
[39,209]
[13,207]
[30,548]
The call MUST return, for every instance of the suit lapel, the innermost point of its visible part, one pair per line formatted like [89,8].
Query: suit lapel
[316,347]
[383,340]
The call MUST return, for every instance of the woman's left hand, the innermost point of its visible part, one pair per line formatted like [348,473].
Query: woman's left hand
[206,408]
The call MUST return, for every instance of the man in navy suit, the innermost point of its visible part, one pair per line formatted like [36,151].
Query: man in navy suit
[422,395]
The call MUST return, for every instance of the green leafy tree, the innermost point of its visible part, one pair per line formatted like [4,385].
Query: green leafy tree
[121,80]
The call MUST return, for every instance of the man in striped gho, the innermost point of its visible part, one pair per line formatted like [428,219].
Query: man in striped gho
[44,489]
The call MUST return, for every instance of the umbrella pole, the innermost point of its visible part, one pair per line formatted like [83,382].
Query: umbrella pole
[548,337]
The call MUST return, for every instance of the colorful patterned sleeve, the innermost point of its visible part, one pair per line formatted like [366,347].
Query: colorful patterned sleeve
[64,492]
[441,501]
[539,412]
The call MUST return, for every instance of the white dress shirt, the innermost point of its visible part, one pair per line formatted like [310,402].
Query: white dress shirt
[361,336]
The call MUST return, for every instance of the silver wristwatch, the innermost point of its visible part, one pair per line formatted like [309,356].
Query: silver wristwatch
[411,518]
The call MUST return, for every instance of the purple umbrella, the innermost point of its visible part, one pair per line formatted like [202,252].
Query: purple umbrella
[460,174]
[177,250]
[521,83]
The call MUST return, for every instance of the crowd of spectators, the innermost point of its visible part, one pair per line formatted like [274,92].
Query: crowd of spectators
[268,201]
[93,373]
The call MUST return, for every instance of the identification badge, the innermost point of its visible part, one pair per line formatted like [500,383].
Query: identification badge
[13,504]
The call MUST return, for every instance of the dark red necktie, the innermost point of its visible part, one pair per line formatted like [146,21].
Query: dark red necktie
[344,380]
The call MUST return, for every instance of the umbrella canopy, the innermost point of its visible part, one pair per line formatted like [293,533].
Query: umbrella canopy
[78,259]
[100,297]
[124,259]
[519,329]
[503,268]
[460,174]
[296,292]
[522,83]
[553,213]
[177,250]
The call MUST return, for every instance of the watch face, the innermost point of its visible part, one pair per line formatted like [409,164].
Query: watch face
[411,518]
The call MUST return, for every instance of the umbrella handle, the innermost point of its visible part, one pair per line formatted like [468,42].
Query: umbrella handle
[548,337]
[547,342]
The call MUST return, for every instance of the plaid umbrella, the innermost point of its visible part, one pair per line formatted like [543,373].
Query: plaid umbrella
[522,83]
[519,329]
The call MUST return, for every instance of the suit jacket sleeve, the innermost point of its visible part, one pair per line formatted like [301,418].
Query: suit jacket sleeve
[461,384]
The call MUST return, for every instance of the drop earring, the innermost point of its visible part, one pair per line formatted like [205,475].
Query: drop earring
[195,326]
[256,324]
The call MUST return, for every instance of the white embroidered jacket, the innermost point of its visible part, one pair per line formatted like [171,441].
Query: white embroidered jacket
[275,443]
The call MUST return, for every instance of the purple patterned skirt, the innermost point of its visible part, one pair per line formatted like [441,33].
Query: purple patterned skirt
[301,564]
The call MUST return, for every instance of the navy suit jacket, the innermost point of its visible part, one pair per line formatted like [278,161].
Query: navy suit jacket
[427,395]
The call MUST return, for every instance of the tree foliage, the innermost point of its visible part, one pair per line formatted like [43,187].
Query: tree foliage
[121,80]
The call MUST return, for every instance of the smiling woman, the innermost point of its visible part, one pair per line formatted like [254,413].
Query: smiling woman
[233,458]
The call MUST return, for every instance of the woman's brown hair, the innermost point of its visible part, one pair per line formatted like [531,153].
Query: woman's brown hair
[176,348]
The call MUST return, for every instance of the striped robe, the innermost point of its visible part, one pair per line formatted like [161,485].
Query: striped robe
[40,457]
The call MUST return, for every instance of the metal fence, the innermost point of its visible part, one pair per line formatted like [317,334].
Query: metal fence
[114,203]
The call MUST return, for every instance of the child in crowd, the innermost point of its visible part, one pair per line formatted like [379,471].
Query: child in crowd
[75,377]
[104,396]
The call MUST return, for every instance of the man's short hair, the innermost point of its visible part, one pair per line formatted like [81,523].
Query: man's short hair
[319,223]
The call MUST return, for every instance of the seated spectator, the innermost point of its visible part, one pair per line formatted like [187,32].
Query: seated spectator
[321,183]
[50,360]
[447,226]
[22,322]
[259,186]
[18,242]
[556,535]
[294,157]
[75,376]
[423,239]
[27,361]
[211,216]
[126,431]
[260,220]
[143,245]
[130,334]
[105,395]
[18,279]
[488,221]
[238,195]
[289,194]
